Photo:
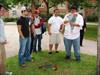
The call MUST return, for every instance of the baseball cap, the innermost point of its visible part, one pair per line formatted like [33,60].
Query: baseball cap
[23,8]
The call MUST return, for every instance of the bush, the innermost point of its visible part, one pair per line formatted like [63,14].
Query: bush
[11,19]
[44,15]
[92,18]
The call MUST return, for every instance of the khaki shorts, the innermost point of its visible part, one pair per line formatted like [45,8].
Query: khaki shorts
[54,38]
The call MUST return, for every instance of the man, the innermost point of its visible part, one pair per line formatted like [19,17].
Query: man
[37,32]
[54,25]
[2,44]
[24,38]
[82,31]
[31,29]
[73,23]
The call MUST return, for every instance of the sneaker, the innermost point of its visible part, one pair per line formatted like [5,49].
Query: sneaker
[22,65]
[50,53]
[78,60]
[57,51]
[9,73]
[67,57]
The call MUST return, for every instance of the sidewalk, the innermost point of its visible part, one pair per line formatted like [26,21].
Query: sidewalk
[90,47]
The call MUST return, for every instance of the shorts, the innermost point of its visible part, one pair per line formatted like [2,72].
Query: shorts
[54,38]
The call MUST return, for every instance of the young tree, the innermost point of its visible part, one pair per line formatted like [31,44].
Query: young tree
[98,42]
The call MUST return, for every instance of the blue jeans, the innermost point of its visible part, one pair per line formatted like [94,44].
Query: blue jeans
[76,45]
[24,51]
[37,39]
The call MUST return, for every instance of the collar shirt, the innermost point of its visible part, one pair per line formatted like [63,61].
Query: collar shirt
[55,22]
[2,33]
[73,32]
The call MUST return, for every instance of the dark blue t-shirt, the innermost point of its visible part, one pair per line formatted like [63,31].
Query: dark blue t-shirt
[24,22]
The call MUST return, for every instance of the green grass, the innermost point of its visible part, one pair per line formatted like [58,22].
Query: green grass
[87,66]
[91,33]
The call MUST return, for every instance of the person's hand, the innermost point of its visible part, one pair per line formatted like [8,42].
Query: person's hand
[72,24]
[4,42]
[21,36]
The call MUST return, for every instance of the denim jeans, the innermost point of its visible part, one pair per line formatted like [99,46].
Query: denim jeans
[24,51]
[37,39]
[76,45]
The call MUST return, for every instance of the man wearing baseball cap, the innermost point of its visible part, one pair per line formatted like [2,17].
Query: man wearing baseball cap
[24,38]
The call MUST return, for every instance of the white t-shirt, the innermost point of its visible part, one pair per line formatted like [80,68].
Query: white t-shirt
[2,33]
[55,22]
[75,33]
[36,22]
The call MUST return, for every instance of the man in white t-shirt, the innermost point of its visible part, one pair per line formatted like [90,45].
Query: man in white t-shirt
[73,22]
[54,24]
[2,43]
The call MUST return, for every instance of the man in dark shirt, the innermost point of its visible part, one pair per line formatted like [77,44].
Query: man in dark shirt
[82,31]
[24,38]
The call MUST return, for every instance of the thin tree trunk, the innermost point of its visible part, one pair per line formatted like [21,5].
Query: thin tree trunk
[33,6]
[98,42]
[66,6]
[47,8]
[2,59]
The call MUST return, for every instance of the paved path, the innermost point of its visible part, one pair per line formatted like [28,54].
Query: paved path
[90,47]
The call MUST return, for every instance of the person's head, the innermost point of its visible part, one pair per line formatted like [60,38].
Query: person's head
[2,10]
[56,12]
[37,12]
[29,12]
[73,9]
[24,11]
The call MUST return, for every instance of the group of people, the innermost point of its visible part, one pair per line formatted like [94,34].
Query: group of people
[30,33]
[32,26]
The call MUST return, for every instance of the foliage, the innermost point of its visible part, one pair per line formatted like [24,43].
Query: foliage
[92,18]
[91,32]
[10,19]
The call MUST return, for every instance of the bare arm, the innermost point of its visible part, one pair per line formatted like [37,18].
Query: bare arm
[19,31]
[75,24]
[49,29]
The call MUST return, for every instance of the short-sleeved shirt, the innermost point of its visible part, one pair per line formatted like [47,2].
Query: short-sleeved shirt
[55,22]
[24,23]
[75,33]
[36,22]
[2,33]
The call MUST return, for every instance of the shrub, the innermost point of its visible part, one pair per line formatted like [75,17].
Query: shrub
[11,19]
[92,18]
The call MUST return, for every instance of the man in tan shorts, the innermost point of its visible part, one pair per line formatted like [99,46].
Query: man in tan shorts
[54,24]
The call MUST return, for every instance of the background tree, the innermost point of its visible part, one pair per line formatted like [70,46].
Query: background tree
[98,42]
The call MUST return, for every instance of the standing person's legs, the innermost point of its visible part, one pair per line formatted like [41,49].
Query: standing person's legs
[81,37]
[31,46]
[57,38]
[76,45]
[22,51]
[2,59]
[68,44]
[35,43]
[56,47]
[39,42]
[51,42]
[27,49]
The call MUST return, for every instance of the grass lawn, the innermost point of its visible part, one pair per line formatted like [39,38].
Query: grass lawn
[64,67]
[91,33]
